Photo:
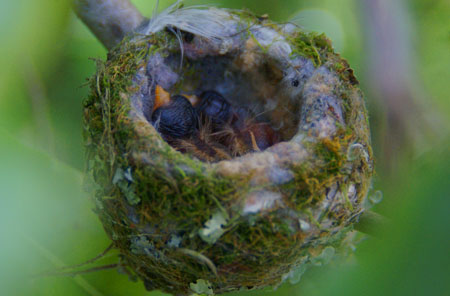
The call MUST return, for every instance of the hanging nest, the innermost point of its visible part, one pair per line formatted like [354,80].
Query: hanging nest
[256,215]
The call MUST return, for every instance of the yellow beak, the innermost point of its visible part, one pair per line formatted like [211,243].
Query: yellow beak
[161,97]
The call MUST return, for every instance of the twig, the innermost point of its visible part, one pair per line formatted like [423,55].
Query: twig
[75,273]
[92,260]
[109,20]
[201,258]
[56,261]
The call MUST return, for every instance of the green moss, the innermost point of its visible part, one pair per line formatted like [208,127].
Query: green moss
[313,46]
[149,194]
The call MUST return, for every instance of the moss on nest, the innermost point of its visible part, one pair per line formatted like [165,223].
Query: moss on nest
[186,226]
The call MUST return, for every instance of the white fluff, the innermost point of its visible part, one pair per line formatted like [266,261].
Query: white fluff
[198,20]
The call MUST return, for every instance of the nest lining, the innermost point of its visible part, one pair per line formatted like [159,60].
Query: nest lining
[255,70]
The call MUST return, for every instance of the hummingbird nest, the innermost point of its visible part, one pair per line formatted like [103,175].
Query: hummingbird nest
[184,224]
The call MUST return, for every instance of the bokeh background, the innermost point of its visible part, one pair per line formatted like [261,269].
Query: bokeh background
[400,51]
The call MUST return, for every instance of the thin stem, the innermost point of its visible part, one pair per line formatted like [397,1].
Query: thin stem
[75,273]
[92,260]
[56,261]
[109,20]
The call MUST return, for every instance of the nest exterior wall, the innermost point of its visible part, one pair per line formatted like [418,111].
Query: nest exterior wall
[250,222]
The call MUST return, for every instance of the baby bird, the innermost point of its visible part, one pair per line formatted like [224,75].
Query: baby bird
[209,127]
[250,136]
[203,146]
[174,118]
[232,126]
[178,122]
[214,106]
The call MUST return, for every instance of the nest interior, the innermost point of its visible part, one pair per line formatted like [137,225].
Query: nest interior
[185,226]
[251,80]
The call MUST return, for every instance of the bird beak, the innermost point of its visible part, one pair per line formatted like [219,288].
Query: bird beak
[193,99]
[161,97]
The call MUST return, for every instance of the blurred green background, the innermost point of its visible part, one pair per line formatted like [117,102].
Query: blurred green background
[46,218]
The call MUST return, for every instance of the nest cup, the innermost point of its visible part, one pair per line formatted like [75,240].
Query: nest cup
[187,226]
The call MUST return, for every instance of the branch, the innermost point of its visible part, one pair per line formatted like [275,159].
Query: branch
[109,20]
